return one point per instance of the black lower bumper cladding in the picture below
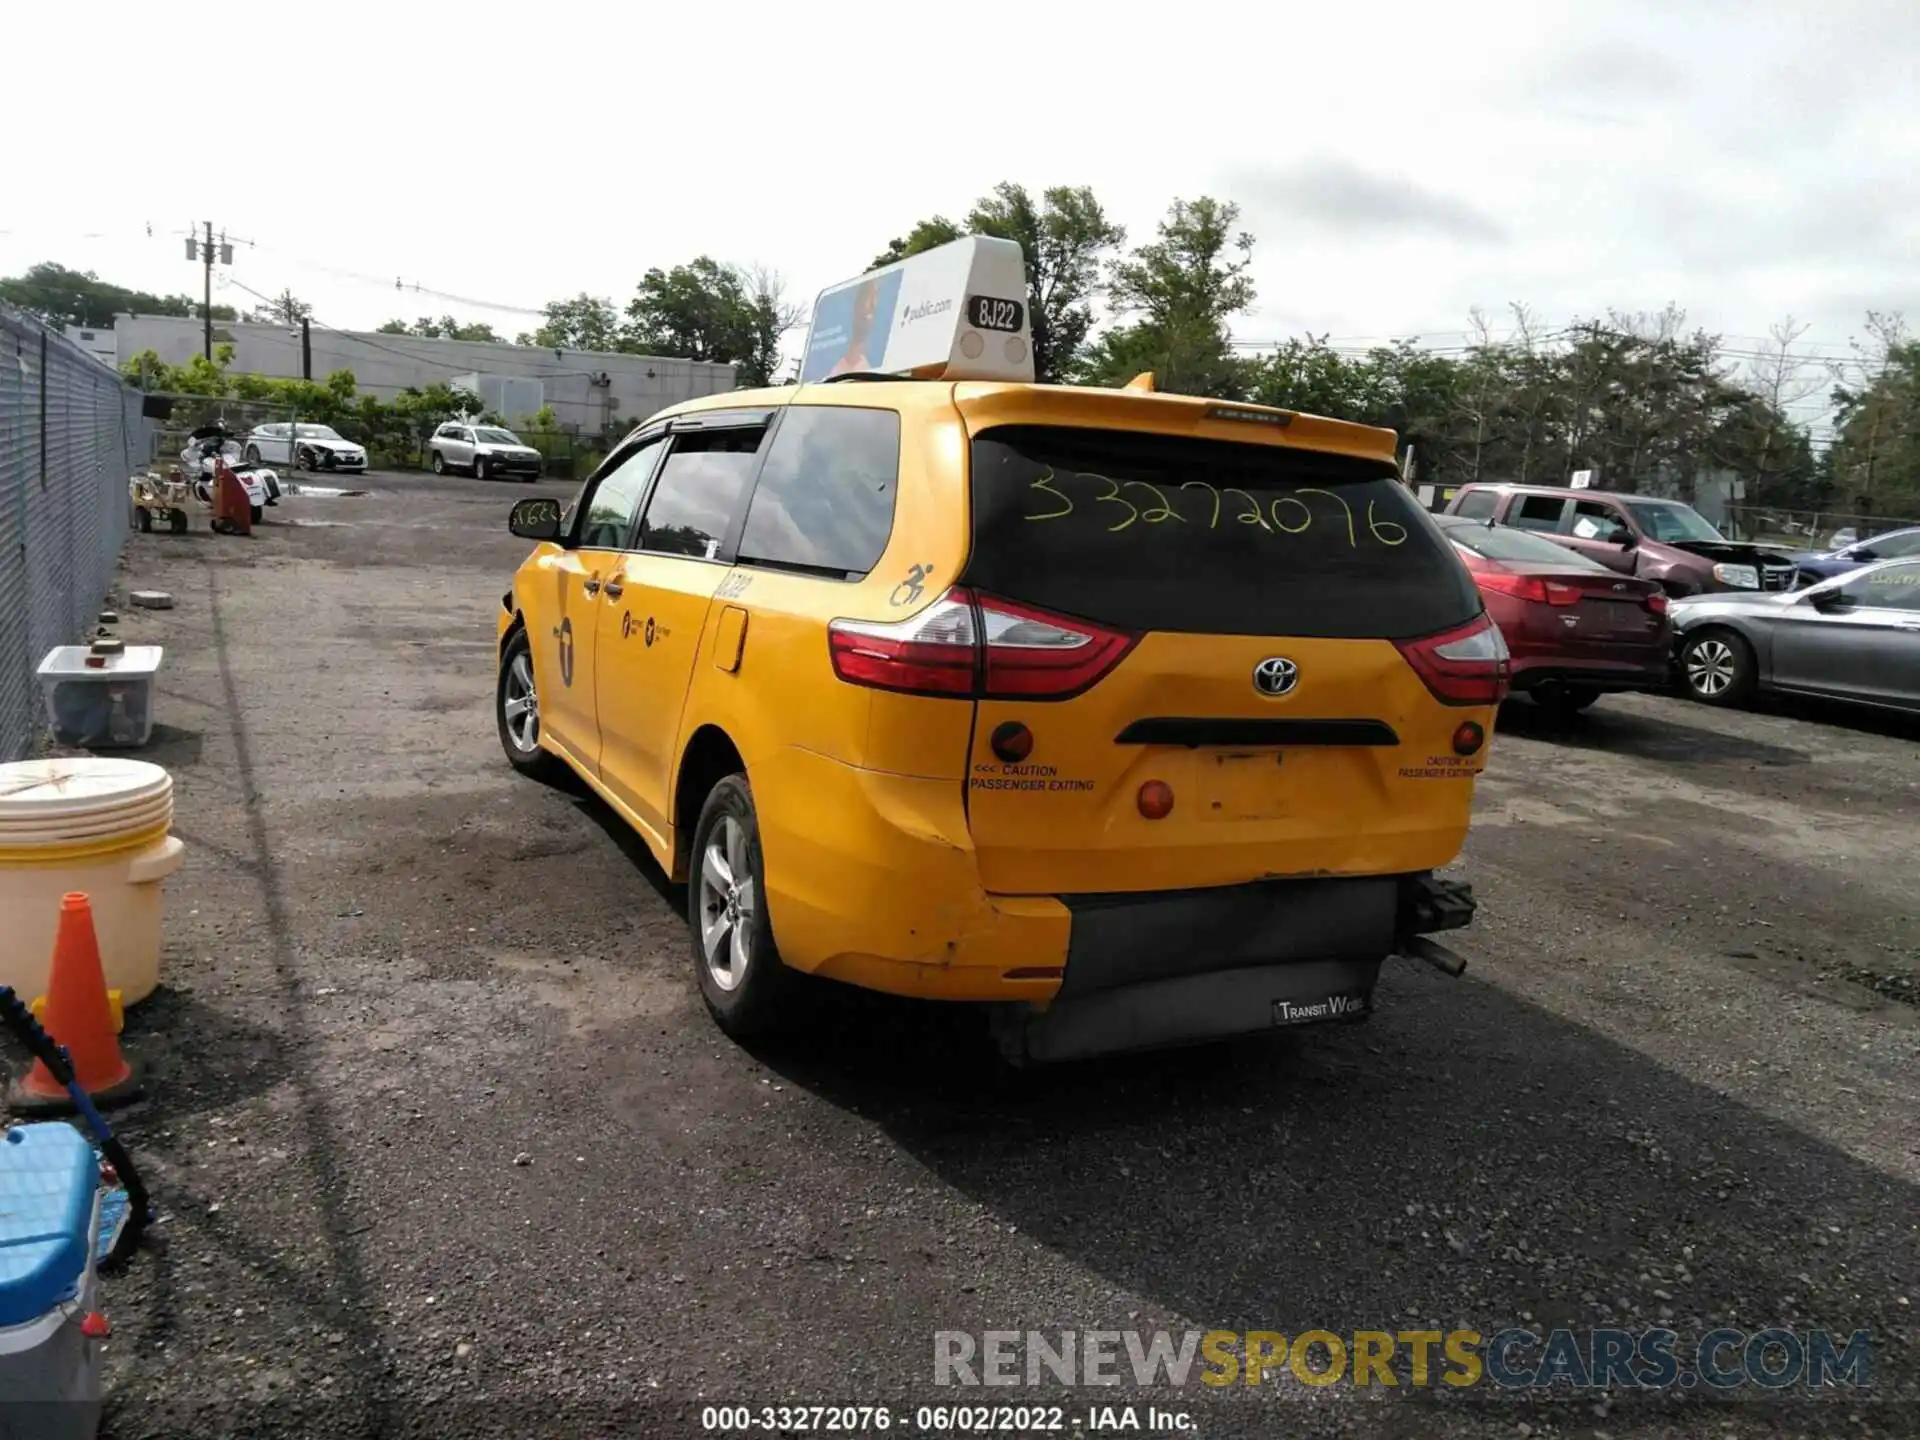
(1180, 967)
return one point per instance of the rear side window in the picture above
(1537, 512)
(699, 491)
(824, 501)
(1155, 532)
(1477, 504)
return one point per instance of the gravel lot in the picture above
(445, 1144)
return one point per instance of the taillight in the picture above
(930, 654)
(978, 646)
(1657, 602)
(1463, 666)
(1529, 587)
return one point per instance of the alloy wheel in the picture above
(727, 901)
(521, 705)
(1711, 668)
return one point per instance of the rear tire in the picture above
(146, 519)
(253, 455)
(1717, 668)
(255, 513)
(747, 987)
(516, 710)
(480, 469)
(439, 463)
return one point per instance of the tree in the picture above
(1876, 453)
(60, 297)
(585, 322)
(928, 234)
(283, 309)
(711, 312)
(445, 328)
(1063, 240)
(1184, 286)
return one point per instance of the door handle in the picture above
(615, 590)
(592, 586)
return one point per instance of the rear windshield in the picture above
(1159, 532)
(1499, 542)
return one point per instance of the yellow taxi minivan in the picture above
(1144, 718)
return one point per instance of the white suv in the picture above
(486, 450)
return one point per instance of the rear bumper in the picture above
(1645, 670)
(871, 880)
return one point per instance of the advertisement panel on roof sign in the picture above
(955, 312)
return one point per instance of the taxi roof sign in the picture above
(956, 312)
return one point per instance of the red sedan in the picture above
(1576, 629)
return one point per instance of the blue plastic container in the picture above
(49, 1217)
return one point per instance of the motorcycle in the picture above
(206, 450)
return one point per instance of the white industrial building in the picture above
(587, 389)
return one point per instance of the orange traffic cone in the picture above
(79, 1017)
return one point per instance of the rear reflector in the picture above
(978, 647)
(1156, 800)
(1463, 666)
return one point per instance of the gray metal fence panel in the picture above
(70, 434)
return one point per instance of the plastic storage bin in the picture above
(49, 1232)
(104, 706)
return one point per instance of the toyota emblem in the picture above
(1276, 675)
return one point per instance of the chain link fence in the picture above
(71, 432)
(1806, 529)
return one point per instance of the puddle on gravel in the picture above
(322, 492)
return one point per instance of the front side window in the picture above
(616, 499)
(1895, 587)
(701, 486)
(1893, 547)
(1595, 520)
(824, 501)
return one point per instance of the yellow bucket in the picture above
(91, 823)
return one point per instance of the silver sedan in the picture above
(1855, 637)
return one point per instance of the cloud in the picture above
(1330, 194)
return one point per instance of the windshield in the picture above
(1668, 520)
(498, 437)
(319, 432)
(1503, 543)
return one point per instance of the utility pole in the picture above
(306, 349)
(206, 308)
(207, 256)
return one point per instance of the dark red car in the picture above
(1576, 629)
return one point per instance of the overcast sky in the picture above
(1397, 164)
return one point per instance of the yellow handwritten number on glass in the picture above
(1112, 497)
(1045, 483)
(1376, 526)
(1213, 524)
(1252, 515)
(1161, 512)
(1351, 540)
(1305, 511)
